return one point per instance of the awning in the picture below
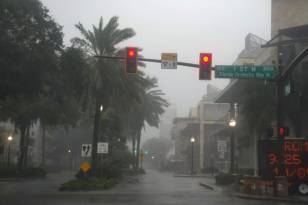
(287, 36)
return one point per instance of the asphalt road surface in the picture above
(153, 188)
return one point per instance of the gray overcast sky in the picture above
(186, 27)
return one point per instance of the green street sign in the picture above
(263, 72)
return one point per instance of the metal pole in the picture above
(8, 155)
(279, 114)
(192, 158)
(232, 152)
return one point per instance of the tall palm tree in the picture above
(147, 110)
(103, 40)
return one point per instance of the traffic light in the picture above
(283, 131)
(205, 69)
(131, 60)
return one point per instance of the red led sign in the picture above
(294, 158)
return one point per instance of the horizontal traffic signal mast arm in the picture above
(153, 61)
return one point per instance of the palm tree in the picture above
(103, 40)
(147, 110)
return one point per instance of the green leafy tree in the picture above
(29, 45)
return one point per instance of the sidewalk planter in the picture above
(258, 186)
(281, 186)
(225, 179)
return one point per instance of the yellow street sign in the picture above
(85, 166)
(169, 56)
(141, 156)
(169, 60)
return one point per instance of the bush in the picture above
(28, 172)
(225, 179)
(8, 172)
(246, 171)
(136, 171)
(32, 172)
(88, 184)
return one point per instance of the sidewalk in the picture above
(297, 199)
(209, 183)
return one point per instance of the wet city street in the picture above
(153, 188)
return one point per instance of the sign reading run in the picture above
(246, 71)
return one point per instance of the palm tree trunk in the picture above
(95, 136)
(133, 151)
(43, 144)
(138, 150)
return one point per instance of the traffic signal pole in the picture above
(151, 60)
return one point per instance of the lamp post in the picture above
(232, 124)
(192, 140)
(10, 138)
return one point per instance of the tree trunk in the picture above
(27, 141)
(133, 151)
(138, 150)
(43, 144)
(21, 147)
(95, 135)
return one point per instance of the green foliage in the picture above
(7, 172)
(225, 179)
(88, 184)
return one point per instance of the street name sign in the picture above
(263, 72)
(86, 150)
(169, 60)
(102, 148)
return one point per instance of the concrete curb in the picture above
(207, 186)
(194, 176)
(271, 198)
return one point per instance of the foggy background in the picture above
(186, 27)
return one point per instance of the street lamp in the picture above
(232, 125)
(10, 138)
(101, 108)
(192, 140)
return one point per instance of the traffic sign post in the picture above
(262, 72)
(169, 60)
(86, 150)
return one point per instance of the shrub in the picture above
(136, 171)
(8, 172)
(32, 172)
(225, 179)
(28, 172)
(88, 184)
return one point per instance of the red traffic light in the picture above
(131, 52)
(205, 59)
(283, 131)
(205, 63)
(131, 60)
